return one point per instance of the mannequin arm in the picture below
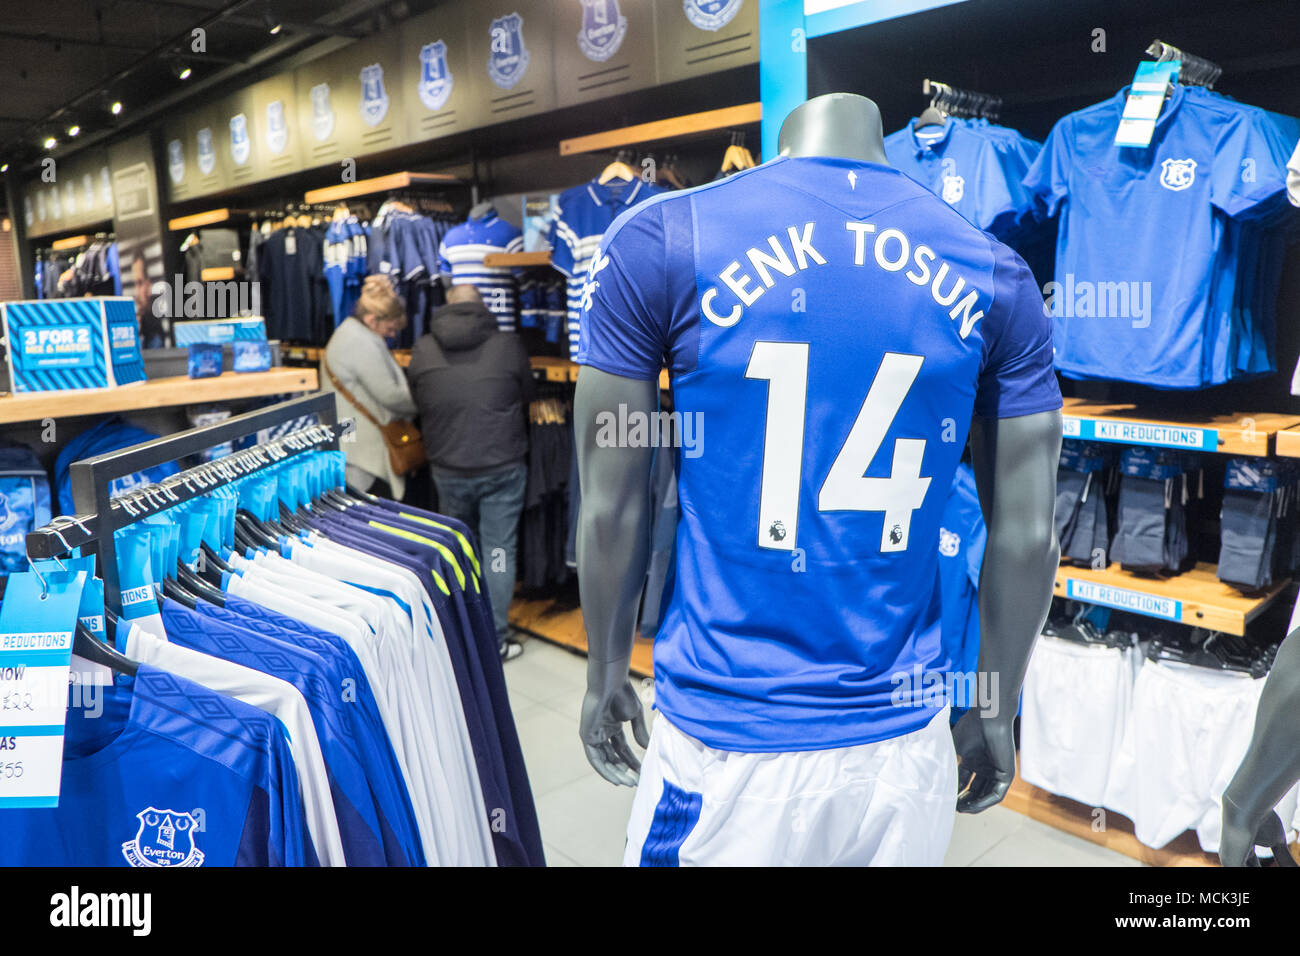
(613, 554)
(1015, 463)
(1271, 764)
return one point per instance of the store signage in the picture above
(508, 55)
(36, 627)
(603, 29)
(435, 79)
(1141, 433)
(1150, 605)
(322, 114)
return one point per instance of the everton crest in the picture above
(56, 204)
(106, 186)
(176, 160)
(954, 187)
(277, 130)
(88, 190)
(40, 205)
(1177, 174)
(70, 198)
(207, 155)
(508, 59)
(240, 145)
(711, 14)
(165, 838)
(27, 210)
(603, 29)
(322, 113)
(435, 79)
(374, 100)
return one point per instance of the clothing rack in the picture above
(1193, 70)
(99, 516)
(955, 101)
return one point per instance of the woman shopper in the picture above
(359, 367)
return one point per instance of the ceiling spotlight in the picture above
(116, 108)
(181, 69)
(273, 25)
(4, 168)
(50, 142)
(74, 129)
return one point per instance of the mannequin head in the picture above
(379, 308)
(836, 124)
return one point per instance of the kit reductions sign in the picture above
(61, 344)
(36, 627)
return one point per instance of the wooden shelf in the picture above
(517, 259)
(1287, 443)
(208, 217)
(1196, 597)
(71, 242)
(310, 353)
(380, 184)
(678, 127)
(155, 393)
(1245, 433)
(563, 625)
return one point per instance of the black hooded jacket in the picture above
(471, 383)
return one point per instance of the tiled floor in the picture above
(583, 818)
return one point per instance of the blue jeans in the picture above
(490, 504)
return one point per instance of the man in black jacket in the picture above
(472, 384)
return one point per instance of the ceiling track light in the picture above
(273, 24)
(116, 108)
(74, 130)
(50, 142)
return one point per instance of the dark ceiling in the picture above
(63, 62)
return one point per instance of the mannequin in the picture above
(1269, 769)
(1016, 460)
(478, 211)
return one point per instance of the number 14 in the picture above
(784, 365)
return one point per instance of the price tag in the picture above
(1145, 98)
(36, 626)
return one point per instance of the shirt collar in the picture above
(602, 193)
(923, 144)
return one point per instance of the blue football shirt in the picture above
(168, 774)
(962, 536)
(830, 326)
(1140, 233)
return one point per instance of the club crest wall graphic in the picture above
(711, 14)
(508, 59)
(277, 129)
(165, 838)
(88, 190)
(374, 98)
(105, 186)
(1177, 174)
(603, 29)
(207, 155)
(240, 144)
(56, 204)
(28, 216)
(436, 80)
(70, 198)
(322, 113)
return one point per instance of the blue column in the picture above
(783, 65)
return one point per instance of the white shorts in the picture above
(1189, 729)
(889, 803)
(1073, 715)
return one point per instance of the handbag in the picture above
(401, 438)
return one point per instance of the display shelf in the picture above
(1196, 597)
(1287, 443)
(1244, 433)
(1105, 828)
(518, 260)
(677, 127)
(156, 393)
(209, 217)
(380, 184)
(562, 624)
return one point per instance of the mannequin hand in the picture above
(1239, 839)
(603, 737)
(987, 751)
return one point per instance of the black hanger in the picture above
(198, 587)
(173, 590)
(89, 648)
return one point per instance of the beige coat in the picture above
(362, 363)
